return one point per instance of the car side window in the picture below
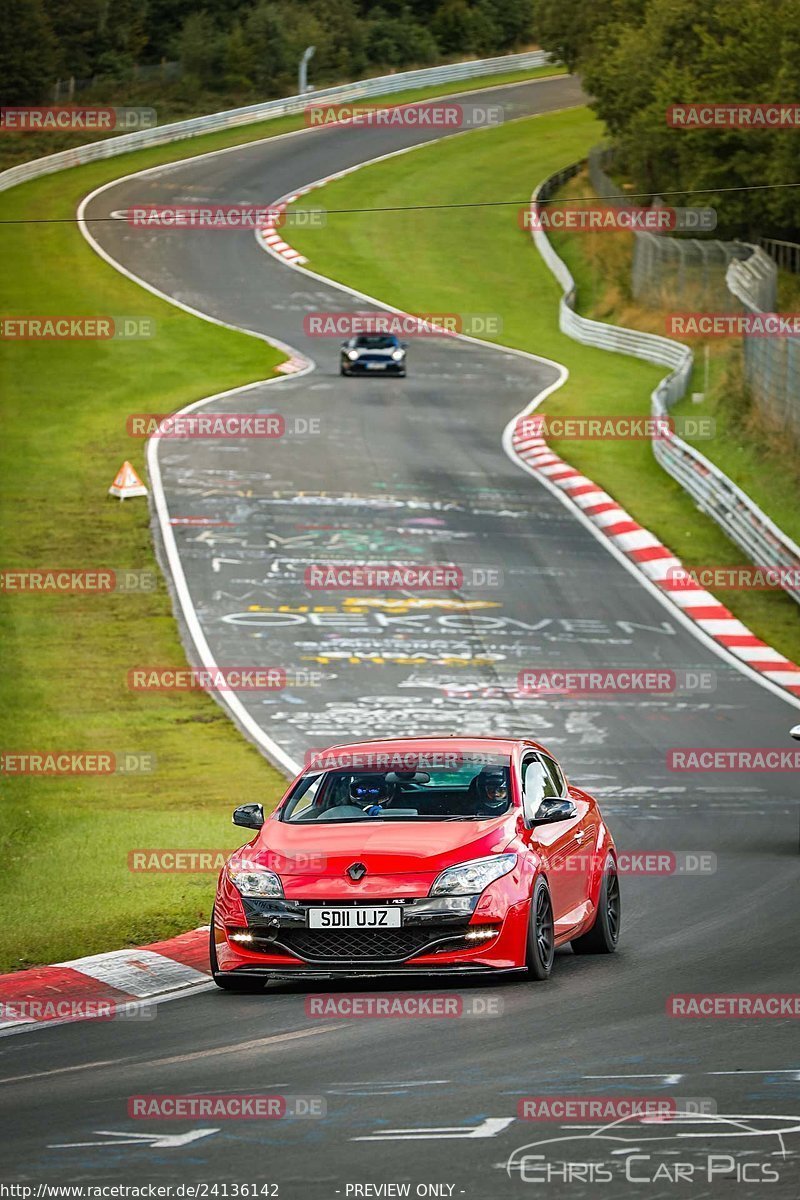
(301, 805)
(557, 780)
(535, 782)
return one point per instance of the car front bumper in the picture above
(280, 944)
(371, 367)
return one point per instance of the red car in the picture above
(417, 856)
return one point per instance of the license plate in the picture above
(354, 918)
(376, 366)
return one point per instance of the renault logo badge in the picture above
(357, 871)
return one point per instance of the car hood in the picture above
(399, 855)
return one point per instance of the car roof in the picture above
(440, 742)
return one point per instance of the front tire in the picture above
(541, 933)
(229, 982)
(603, 937)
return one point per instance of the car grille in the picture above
(351, 944)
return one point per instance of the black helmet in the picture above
(366, 790)
(493, 789)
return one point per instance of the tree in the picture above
(201, 50)
(27, 53)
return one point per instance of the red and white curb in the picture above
(292, 365)
(656, 561)
(269, 232)
(640, 547)
(102, 985)
(268, 235)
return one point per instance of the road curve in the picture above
(413, 469)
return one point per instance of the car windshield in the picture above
(375, 342)
(464, 791)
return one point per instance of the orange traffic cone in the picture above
(127, 483)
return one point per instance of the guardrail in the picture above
(785, 254)
(711, 489)
(364, 89)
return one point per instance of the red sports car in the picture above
(417, 856)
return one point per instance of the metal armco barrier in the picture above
(711, 489)
(364, 89)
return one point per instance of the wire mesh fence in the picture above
(673, 271)
(710, 275)
(771, 361)
(714, 492)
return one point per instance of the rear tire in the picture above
(541, 933)
(228, 981)
(603, 937)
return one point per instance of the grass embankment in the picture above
(479, 260)
(65, 841)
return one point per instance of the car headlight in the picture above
(256, 883)
(352, 355)
(471, 877)
(398, 354)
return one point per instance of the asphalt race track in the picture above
(413, 469)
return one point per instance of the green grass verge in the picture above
(478, 260)
(66, 657)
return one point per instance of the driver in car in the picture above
(492, 792)
(371, 793)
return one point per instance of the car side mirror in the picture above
(553, 809)
(795, 733)
(250, 816)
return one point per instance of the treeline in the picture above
(637, 57)
(238, 46)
